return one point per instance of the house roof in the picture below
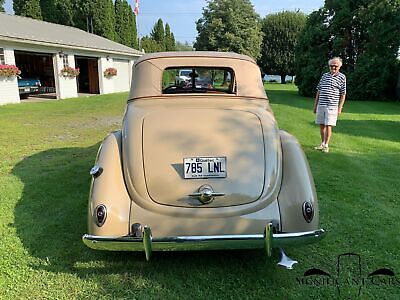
(27, 30)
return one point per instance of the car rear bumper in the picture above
(147, 243)
(28, 89)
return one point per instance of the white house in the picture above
(41, 50)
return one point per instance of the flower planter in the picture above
(110, 72)
(7, 71)
(69, 72)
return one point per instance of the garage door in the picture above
(37, 74)
(121, 81)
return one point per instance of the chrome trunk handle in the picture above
(206, 194)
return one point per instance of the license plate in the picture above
(204, 167)
(27, 89)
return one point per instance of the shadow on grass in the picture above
(51, 217)
(290, 98)
(377, 129)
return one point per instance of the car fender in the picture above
(297, 187)
(108, 189)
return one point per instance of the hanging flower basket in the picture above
(70, 72)
(110, 72)
(9, 71)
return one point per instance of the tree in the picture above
(100, 13)
(1, 5)
(170, 44)
(27, 8)
(312, 52)
(376, 66)
(183, 46)
(125, 24)
(133, 38)
(229, 25)
(280, 33)
(58, 11)
(149, 45)
(121, 22)
(104, 18)
(158, 34)
(365, 35)
(160, 39)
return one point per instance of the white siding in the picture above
(106, 84)
(66, 87)
(122, 80)
(9, 86)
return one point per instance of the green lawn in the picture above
(47, 149)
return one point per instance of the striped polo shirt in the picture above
(330, 88)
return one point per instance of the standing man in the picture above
(331, 94)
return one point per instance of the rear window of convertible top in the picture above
(178, 80)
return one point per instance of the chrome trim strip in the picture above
(267, 241)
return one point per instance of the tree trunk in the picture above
(283, 78)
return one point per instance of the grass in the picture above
(47, 148)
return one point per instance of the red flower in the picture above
(70, 72)
(9, 71)
(110, 72)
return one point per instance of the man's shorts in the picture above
(326, 115)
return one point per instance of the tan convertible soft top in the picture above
(148, 70)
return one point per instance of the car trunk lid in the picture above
(232, 139)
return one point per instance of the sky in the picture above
(181, 15)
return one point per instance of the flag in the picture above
(136, 9)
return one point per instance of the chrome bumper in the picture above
(147, 243)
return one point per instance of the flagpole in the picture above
(136, 11)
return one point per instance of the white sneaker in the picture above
(319, 147)
(325, 149)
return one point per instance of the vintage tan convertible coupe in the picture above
(200, 164)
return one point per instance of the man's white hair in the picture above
(337, 59)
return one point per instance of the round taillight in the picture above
(100, 214)
(96, 171)
(308, 211)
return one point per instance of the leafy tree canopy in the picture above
(160, 39)
(150, 45)
(365, 34)
(170, 43)
(280, 34)
(183, 46)
(158, 32)
(229, 25)
(58, 11)
(121, 22)
(133, 41)
(312, 53)
(125, 24)
(103, 14)
(28, 8)
(2, 5)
